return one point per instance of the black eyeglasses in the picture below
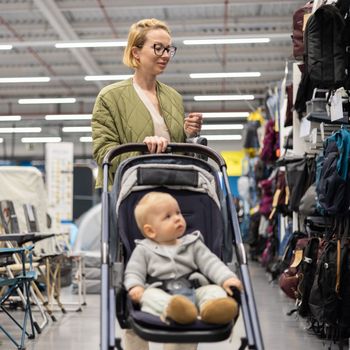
(159, 50)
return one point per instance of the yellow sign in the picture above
(233, 161)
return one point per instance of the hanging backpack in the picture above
(300, 175)
(346, 40)
(344, 310)
(324, 47)
(290, 277)
(300, 17)
(329, 300)
(265, 205)
(304, 94)
(333, 185)
(268, 151)
(307, 273)
(325, 292)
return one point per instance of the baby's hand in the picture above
(232, 282)
(135, 293)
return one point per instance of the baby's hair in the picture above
(145, 205)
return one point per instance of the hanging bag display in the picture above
(324, 47)
(300, 18)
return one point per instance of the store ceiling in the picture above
(34, 27)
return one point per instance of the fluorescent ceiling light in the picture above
(77, 129)
(108, 77)
(25, 80)
(10, 118)
(223, 127)
(25, 101)
(79, 44)
(68, 117)
(223, 97)
(226, 41)
(6, 47)
(19, 130)
(223, 137)
(85, 139)
(225, 115)
(40, 139)
(225, 75)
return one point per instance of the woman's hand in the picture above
(135, 294)
(156, 144)
(193, 124)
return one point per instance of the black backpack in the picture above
(307, 273)
(346, 40)
(304, 93)
(344, 312)
(300, 175)
(324, 47)
(324, 297)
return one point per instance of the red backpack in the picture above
(299, 17)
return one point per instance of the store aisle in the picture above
(81, 330)
(279, 330)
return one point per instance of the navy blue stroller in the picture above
(203, 192)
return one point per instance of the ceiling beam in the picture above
(56, 19)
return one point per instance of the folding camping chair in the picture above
(53, 261)
(23, 192)
(16, 284)
(13, 239)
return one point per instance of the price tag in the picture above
(314, 136)
(322, 131)
(305, 127)
(336, 106)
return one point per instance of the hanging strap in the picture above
(337, 281)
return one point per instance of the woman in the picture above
(142, 109)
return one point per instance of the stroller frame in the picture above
(253, 339)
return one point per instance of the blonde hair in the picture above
(137, 37)
(146, 204)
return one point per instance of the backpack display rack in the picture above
(318, 108)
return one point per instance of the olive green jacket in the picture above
(119, 116)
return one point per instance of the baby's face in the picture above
(167, 221)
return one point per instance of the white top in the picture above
(160, 129)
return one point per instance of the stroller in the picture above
(203, 193)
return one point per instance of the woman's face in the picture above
(149, 62)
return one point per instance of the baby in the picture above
(164, 256)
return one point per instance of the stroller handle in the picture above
(172, 147)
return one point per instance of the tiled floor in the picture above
(80, 330)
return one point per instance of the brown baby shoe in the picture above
(181, 310)
(219, 311)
